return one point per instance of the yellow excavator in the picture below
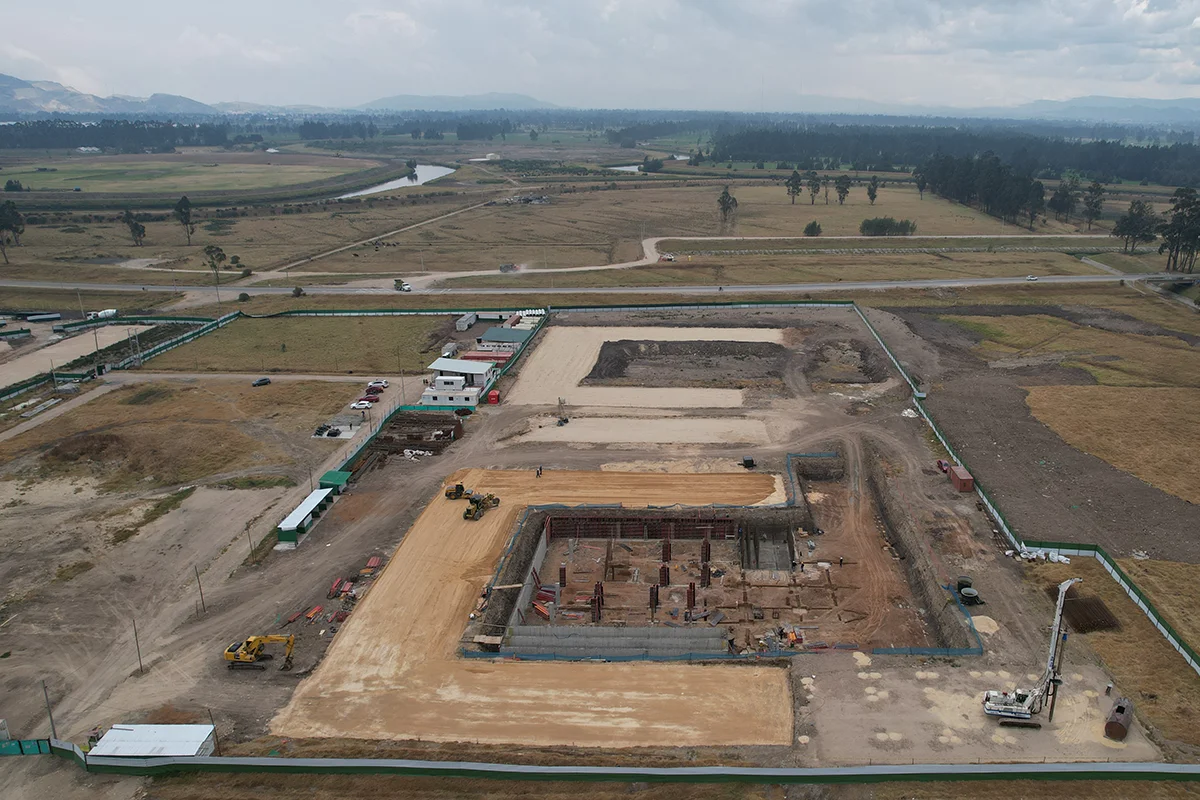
(248, 654)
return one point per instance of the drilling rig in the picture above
(1024, 703)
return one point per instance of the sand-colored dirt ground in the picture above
(671, 430)
(875, 710)
(393, 672)
(566, 355)
(59, 353)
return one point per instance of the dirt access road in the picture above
(393, 673)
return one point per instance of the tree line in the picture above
(879, 149)
(125, 136)
(1179, 229)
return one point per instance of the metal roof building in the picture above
(507, 335)
(155, 740)
(460, 366)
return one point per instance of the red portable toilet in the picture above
(494, 396)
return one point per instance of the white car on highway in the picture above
(1031, 277)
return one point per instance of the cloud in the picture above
(733, 54)
(373, 22)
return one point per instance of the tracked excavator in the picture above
(249, 654)
(1024, 703)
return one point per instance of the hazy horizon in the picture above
(733, 55)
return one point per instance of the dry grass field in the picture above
(1146, 260)
(66, 300)
(170, 433)
(1148, 432)
(1164, 689)
(607, 226)
(360, 345)
(93, 250)
(736, 270)
(1175, 589)
(1113, 359)
(337, 787)
(1012, 790)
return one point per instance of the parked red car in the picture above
(374, 390)
(370, 398)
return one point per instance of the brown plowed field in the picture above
(393, 671)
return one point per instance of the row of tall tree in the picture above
(816, 184)
(126, 136)
(880, 149)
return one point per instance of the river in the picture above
(424, 174)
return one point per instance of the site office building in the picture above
(457, 382)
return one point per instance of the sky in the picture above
(742, 55)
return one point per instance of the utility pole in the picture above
(95, 336)
(49, 713)
(138, 645)
(201, 588)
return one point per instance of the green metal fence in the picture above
(1135, 593)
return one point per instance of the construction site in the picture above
(638, 539)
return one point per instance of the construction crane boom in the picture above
(1024, 703)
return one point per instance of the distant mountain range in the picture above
(468, 102)
(31, 97)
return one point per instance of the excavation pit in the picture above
(700, 584)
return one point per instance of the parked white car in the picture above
(382, 384)
(360, 405)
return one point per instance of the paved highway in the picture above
(773, 288)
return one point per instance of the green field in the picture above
(317, 345)
(167, 173)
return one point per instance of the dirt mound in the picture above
(845, 361)
(688, 363)
(88, 447)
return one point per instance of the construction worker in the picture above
(539, 471)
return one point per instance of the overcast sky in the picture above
(712, 54)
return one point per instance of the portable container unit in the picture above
(466, 321)
(148, 741)
(500, 357)
(494, 397)
(962, 479)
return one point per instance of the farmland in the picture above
(198, 170)
(356, 345)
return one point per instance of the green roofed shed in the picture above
(336, 480)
